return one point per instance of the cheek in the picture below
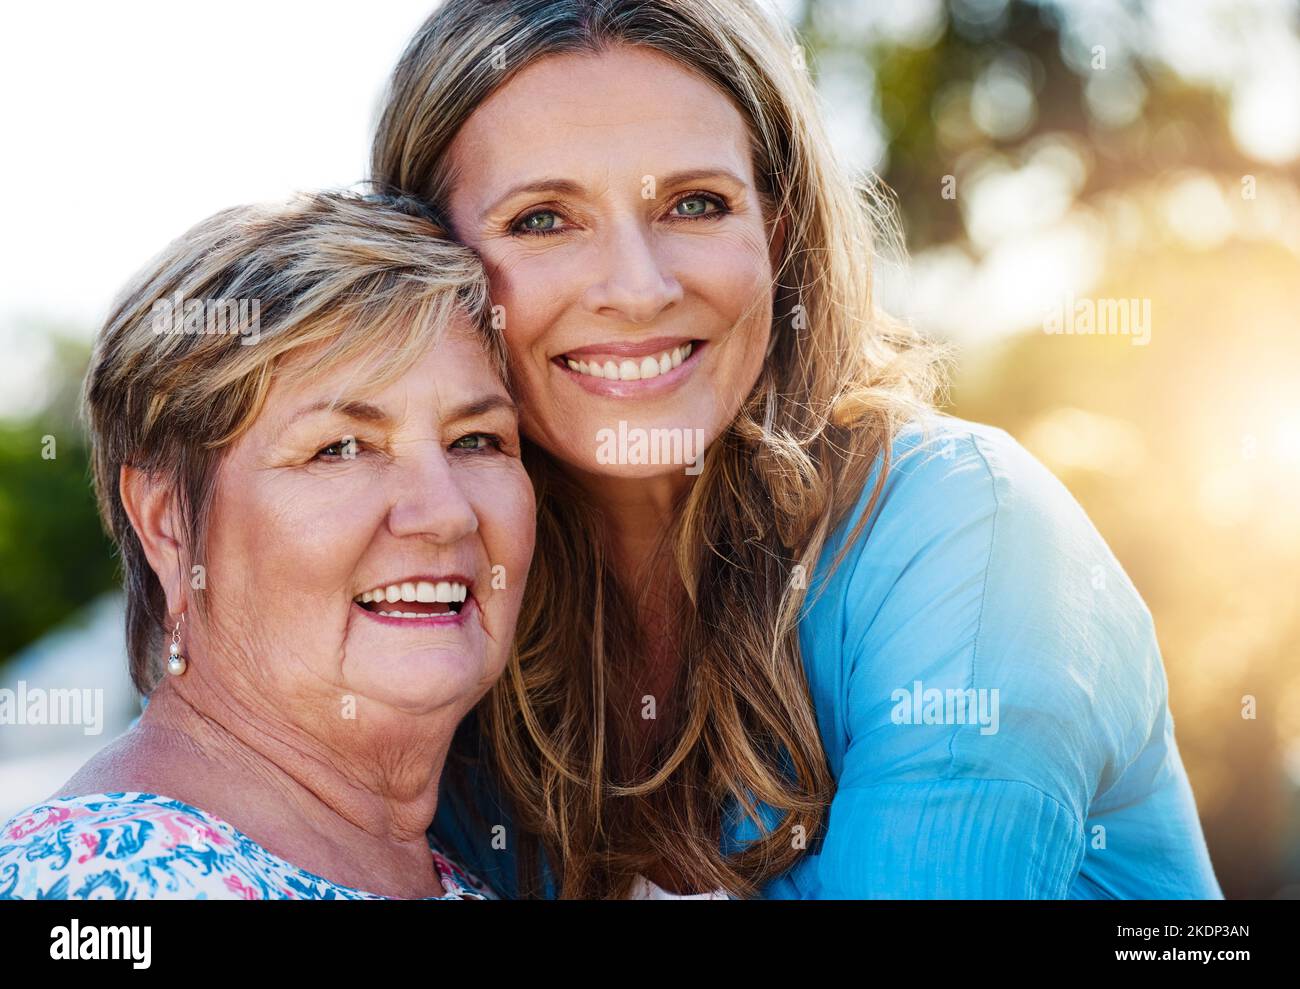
(733, 279)
(507, 517)
(532, 295)
(288, 545)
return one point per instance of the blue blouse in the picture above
(991, 700)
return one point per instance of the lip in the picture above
(628, 348)
(432, 621)
(641, 388)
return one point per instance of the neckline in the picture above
(451, 888)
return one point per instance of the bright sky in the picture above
(125, 124)
(146, 117)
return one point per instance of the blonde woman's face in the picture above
(409, 488)
(613, 200)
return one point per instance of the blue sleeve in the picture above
(473, 820)
(997, 680)
(476, 833)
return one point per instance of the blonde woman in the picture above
(833, 644)
(307, 455)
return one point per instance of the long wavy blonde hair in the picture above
(840, 378)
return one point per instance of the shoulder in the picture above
(123, 846)
(979, 571)
(964, 506)
(946, 474)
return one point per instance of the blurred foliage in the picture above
(54, 556)
(993, 77)
(1185, 452)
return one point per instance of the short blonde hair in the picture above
(185, 359)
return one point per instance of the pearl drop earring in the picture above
(176, 662)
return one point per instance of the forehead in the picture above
(455, 365)
(619, 114)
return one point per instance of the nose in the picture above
(429, 498)
(636, 287)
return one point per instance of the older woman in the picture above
(325, 528)
(855, 648)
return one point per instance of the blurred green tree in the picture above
(54, 555)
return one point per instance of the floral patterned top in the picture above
(142, 846)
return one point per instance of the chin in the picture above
(420, 681)
(642, 472)
(634, 444)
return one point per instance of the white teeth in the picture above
(423, 590)
(632, 370)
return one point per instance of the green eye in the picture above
(542, 221)
(476, 442)
(695, 206)
(700, 205)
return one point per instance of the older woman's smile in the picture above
(443, 600)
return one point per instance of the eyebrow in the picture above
(366, 412)
(570, 188)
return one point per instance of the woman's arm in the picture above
(999, 684)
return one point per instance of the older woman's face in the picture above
(613, 200)
(428, 496)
